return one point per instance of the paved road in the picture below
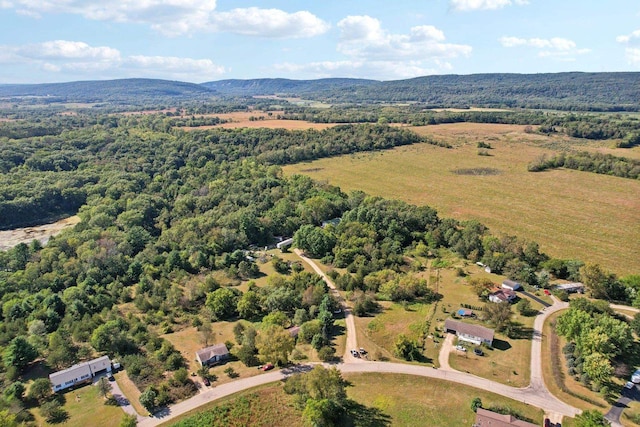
(621, 404)
(536, 299)
(535, 394)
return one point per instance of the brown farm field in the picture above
(571, 214)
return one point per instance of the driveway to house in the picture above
(445, 350)
(117, 393)
(627, 396)
(535, 394)
(352, 338)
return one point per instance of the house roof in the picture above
(469, 329)
(512, 284)
(486, 418)
(294, 331)
(211, 351)
(504, 294)
(465, 312)
(76, 371)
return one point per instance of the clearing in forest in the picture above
(571, 214)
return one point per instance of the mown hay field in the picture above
(572, 214)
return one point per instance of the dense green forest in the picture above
(560, 91)
(170, 223)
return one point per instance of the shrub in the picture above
(326, 354)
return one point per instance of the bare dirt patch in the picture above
(477, 171)
(269, 124)
(42, 233)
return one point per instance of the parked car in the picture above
(636, 377)
(461, 348)
(629, 385)
(206, 381)
(478, 351)
(267, 367)
(355, 353)
(546, 292)
(363, 351)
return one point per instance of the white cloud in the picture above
(469, 5)
(633, 56)
(373, 52)
(555, 47)
(633, 38)
(377, 70)
(82, 60)
(269, 23)
(363, 37)
(177, 17)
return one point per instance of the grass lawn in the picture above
(571, 214)
(548, 359)
(86, 407)
(266, 405)
(630, 414)
(508, 362)
(131, 392)
(378, 334)
(411, 401)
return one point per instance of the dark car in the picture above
(478, 352)
(206, 381)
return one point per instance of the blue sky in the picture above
(203, 40)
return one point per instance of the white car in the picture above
(461, 348)
(629, 385)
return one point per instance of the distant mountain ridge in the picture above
(618, 91)
(120, 90)
(254, 87)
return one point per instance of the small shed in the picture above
(294, 331)
(285, 243)
(212, 355)
(571, 287)
(512, 285)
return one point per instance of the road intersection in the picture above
(535, 394)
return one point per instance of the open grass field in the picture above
(571, 214)
(400, 400)
(411, 401)
(264, 406)
(85, 407)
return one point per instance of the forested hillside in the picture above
(563, 91)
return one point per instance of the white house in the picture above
(502, 295)
(212, 355)
(511, 285)
(82, 372)
(474, 334)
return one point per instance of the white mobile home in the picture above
(77, 374)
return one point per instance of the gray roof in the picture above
(485, 418)
(214, 350)
(469, 329)
(79, 370)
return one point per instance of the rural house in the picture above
(474, 334)
(284, 243)
(571, 287)
(212, 355)
(80, 373)
(511, 285)
(485, 418)
(502, 295)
